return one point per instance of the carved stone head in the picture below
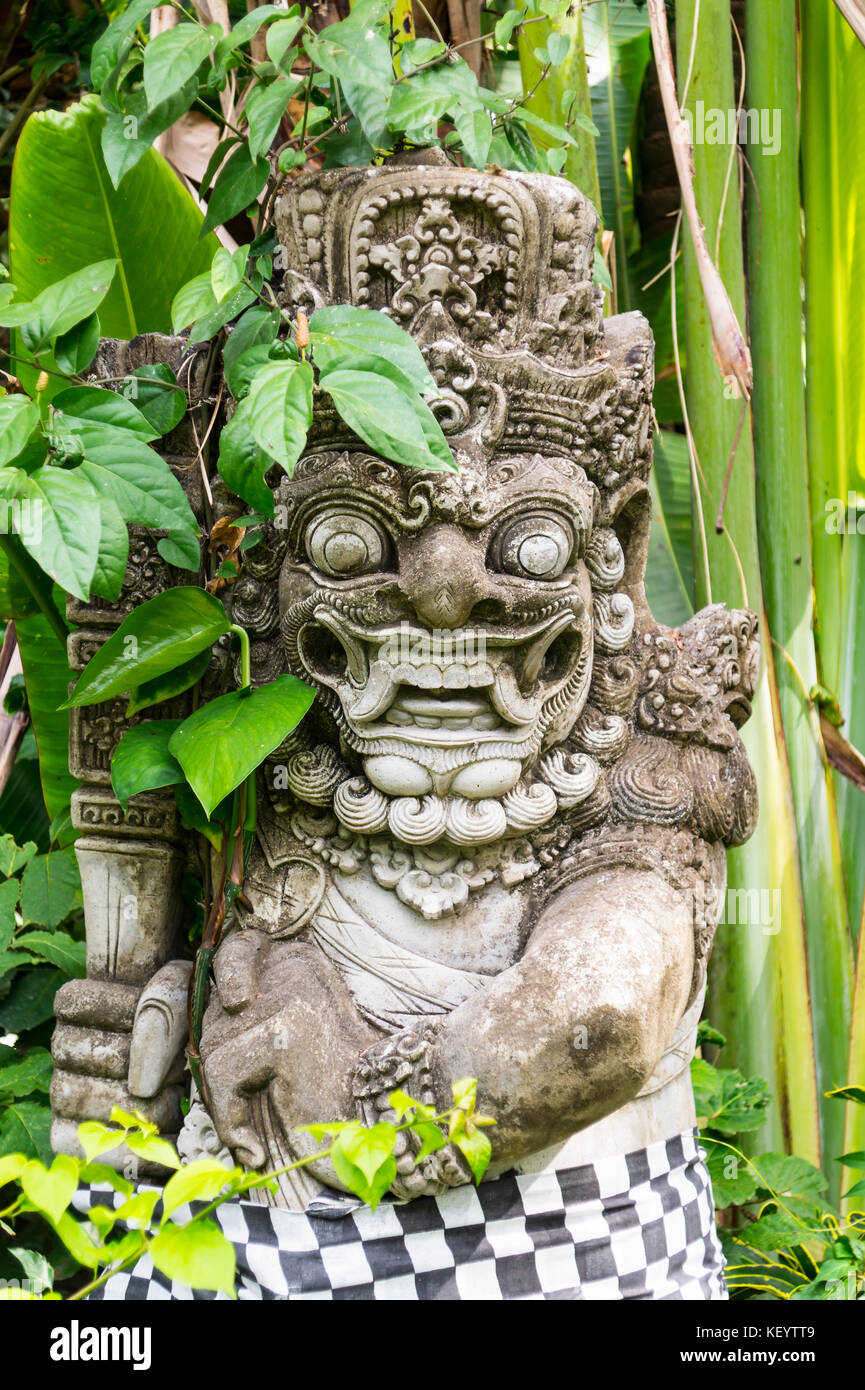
(477, 638)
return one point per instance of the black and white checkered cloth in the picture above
(639, 1226)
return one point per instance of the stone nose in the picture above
(443, 575)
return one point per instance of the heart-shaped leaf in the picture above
(223, 741)
(159, 635)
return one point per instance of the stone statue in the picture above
(495, 846)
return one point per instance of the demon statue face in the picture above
(501, 827)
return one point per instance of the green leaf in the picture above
(192, 300)
(137, 1211)
(31, 999)
(727, 1101)
(246, 28)
(153, 389)
(505, 26)
(13, 857)
(368, 1148)
(733, 1181)
(223, 741)
(280, 410)
(96, 1138)
(25, 1128)
(670, 570)
(239, 184)
(198, 1255)
(342, 333)
(79, 1243)
(363, 1160)
(65, 214)
(51, 1189)
(280, 36)
(383, 416)
(359, 58)
(35, 1266)
(192, 816)
(168, 685)
(243, 464)
(198, 1181)
(11, 1167)
(475, 130)
(431, 1138)
(111, 46)
(153, 1149)
(100, 407)
(102, 1173)
(113, 554)
(173, 57)
(31, 1073)
(141, 484)
(476, 1149)
(249, 363)
(210, 323)
(76, 349)
(8, 902)
(418, 103)
(158, 636)
(258, 326)
(60, 305)
(854, 1093)
(265, 109)
(43, 657)
(57, 948)
(18, 419)
(142, 761)
(50, 888)
(227, 271)
(64, 538)
(128, 134)
(789, 1175)
(778, 1230)
(558, 133)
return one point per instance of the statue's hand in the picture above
(280, 1035)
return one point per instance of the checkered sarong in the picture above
(639, 1226)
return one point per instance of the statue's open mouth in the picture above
(443, 687)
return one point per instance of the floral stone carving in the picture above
(495, 846)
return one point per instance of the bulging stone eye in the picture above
(536, 547)
(341, 545)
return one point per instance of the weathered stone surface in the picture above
(495, 847)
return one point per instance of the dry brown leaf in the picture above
(841, 753)
(728, 340)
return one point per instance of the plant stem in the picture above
(245, 658)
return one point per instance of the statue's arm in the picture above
(574, 1029)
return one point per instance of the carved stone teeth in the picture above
(398, 716)
(456, 677)
(485, 721)
(426, 721)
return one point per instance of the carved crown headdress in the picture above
(491, 273)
